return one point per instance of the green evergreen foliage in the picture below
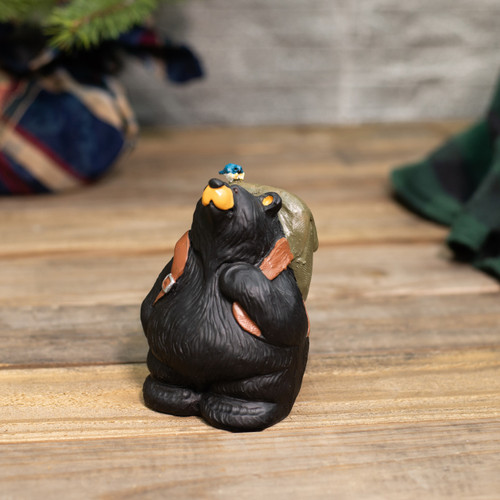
(79, 23)
(25, 10)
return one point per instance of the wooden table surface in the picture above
(401, 397)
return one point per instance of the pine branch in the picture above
(79, 23)
(25, 10)
(84, 23)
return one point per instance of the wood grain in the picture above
(401, 397)
(95, 334)
(397, 421)
(457, 460)
(340, 271)
(121, 230)
(51, 404)
(53, 311)
(149, 200)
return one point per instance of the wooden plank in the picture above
(394, 461)
(339, 271)
(156, 228)
(312, 142)
(393, 270)
(60, 280)
(74, 310)
(52, 404)
(86, 229)
(404, 324)
(173, 164)
(71, 335)
(383, 426)
(149, 199)
(76, 335)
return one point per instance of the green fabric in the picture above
(458, 185)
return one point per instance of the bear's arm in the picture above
(147, 304)
(276, 306)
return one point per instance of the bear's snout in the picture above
(219, 194)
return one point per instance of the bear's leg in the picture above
(166, 391)
(238, 415)
(255, 403)
(249, 405)
(170, 399)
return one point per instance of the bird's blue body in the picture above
(233, 172)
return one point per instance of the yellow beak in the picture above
(222, 197)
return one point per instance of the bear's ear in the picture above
(271, 202)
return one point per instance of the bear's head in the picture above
(232, 225)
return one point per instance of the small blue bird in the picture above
(233, 172)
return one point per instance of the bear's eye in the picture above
(267, 200)
(236, 190)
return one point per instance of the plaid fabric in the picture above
(57, 134)
(458, 184)
(64, 119)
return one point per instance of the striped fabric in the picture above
(58, 134)
(64, 120)
(458, 184)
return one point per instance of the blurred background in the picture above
(324, 62)
(280, 62)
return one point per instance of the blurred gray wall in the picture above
(325, 61)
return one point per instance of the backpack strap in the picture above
(181, 252)
(271, 266)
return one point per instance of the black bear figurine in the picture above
(225, 320)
